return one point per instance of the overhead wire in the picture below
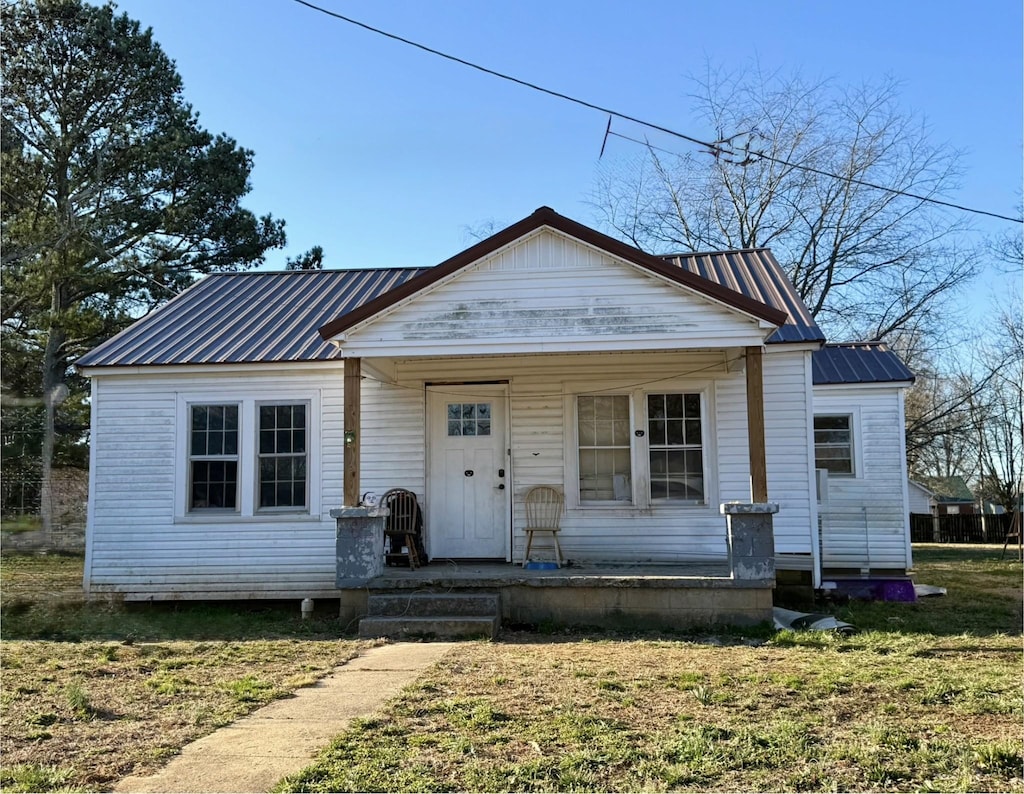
(714, 147)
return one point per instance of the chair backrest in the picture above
(544, 507)
(404, 511)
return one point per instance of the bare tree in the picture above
(790, 174)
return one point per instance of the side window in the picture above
(213, 457)
(833, 444)
(282, 456)
(675, 443)
(603, 437)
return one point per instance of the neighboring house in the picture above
(921, 499)
(546, 354)
(950, 496)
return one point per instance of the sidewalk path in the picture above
(254, 753)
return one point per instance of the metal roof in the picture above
(858, 362)
(756, 273)
(235, 318)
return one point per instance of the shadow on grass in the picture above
(65, 621)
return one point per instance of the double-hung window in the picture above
(620, 446)
(675, 447)
(604, 449)
(833, 444)
(282, 451)
(213, 457)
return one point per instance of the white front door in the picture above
(467, 479)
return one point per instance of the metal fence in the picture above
(959, 528)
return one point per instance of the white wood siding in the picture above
(537, 395)
(865, 523)
(548, 292)
(787, 426)
(142, 545)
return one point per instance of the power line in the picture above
(714, 147)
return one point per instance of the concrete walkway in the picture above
(254, 753)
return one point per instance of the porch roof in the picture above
(858, 362)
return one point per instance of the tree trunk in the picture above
(53, 395)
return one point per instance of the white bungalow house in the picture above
(547, 354)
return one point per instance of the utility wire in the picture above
(715, 147)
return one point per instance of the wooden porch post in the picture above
(353, 390)
(755, 425)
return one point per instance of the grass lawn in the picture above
(927, 697)
(92, 692)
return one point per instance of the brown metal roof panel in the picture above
(230, 318)
(860, 362)
(757, 275)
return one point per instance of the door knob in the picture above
(500, 486)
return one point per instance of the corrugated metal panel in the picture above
(234, 318)
(860, 362)
(757, 274)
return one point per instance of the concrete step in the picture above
(439, 627)
(432, 604)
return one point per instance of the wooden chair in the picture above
(402, 527)
(544, 508)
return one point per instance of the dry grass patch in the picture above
(100, 711)
(94, 692)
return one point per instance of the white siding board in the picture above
(865, 521)
(137, 545)
(787, 423)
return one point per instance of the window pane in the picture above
(674, 406)
(266, 442)
(693, 434)
(691, 404)
(216, 416)
(231, 417)
(266, 417)
(585, 408)
(483, 427)
(214, 484)
(284, 441)
(468, 428)
(215, 443)
(299, 439)
(199, 417)
(674, 432)
(198, 446)
(656, 432)
(454, 411)
(468, 411)
(455, 427)
(483, 411)
(230, 442)
(655, 406)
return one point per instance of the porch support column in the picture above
(751, 540)
(353, 391)
(755, 426)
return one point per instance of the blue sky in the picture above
(384, 155)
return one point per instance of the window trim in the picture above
(247, 503)
(639, 447)
(856, 465)
(256, 482)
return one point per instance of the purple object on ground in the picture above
(876, 589)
